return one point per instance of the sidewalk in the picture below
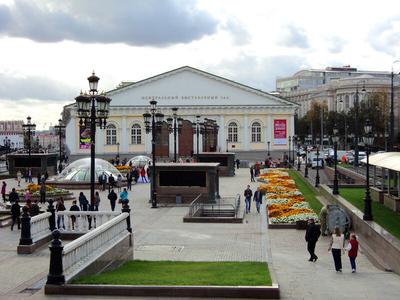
(160, 234)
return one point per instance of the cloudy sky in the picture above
(49, 48)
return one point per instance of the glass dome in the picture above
(139, 161)
(79, 170)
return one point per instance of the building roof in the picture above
(387, 160)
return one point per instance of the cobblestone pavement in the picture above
(161, 234)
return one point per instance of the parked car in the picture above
(317, 162)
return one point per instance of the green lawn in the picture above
(307, 192)
(382, 215)
(184, 273)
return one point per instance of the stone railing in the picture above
(40, 226)
(83, 251)
(84, 220)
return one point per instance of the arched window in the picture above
(256, 132)
(346, 102)
(136, 134)
(111, 135)
(232, 132)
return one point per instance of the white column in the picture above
(221, 133)
(71, 136)
(269, 131)
(100, 140)
(124, 136)
(171, 143)
(245, 133)
(147, 143)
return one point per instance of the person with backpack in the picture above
(313, 233)
(248, 193)
(15, 214)
(112, 196)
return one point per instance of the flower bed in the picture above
(34, 190)
(284, 201)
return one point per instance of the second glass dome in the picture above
(79, 170)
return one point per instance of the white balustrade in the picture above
(83, 251)
(40, 226)
(82, 219)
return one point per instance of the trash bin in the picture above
(178, 199)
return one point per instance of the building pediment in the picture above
(188, 86)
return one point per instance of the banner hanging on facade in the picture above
(280, 132)
(84, 138)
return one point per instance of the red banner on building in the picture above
(280, 132)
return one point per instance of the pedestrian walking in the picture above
(237, 161)
(96, 201)
(129, 179)
(27, 196)
(83, 202)
(112, 196)
(19, 176)
(59, 208)
(111, 182)
(248, 193)
(43, 192)
(13, 196)
(258, 199)
(119, 182)
(336, 246)
(103, 181)
(143, 175)
(15, 215)
(352, 250)
(73, 207)
(3, 191)
(313, 233)
(30, 175)
(252, 174)
(123, 197)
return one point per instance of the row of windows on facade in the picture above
(136, 133)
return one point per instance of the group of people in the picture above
(257, 198)
(337, 245)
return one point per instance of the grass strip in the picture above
(384, 216)
(138, 272)
(308, 193)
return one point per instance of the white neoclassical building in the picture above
(249, 119)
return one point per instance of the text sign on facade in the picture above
(84, 138)
(280, 132)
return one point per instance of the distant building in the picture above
(12, 131)
(313, 78)
(336, 88)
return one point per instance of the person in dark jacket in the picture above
(112, 196)
(252, 174)
(313, 232)
(74, 207)
(83, 202)
(258, 199)
(248, 193)
(13, 196)
(15, 214)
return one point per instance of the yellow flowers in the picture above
(35, 187)
(285, 202)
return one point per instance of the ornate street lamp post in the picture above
(29, 131)
(7, 145)
(197, 129)
(298, 154)
(60, 127)
(227, 143)
(392, 139)
(317, 176)
(175, 126)
(294, 138)
(306, 167)
(357, 123)
(93, 110)
(368, 141)
(290, 142)
(268, 144)
(335, 139)
(153, 121)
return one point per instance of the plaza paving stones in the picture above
(161, 234)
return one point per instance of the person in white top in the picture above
(336, 246)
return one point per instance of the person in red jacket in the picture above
(352, 248)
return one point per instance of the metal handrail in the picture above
(194, 206)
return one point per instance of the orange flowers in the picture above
(284, 200)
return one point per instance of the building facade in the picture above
(247, 119)
(11, 133)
